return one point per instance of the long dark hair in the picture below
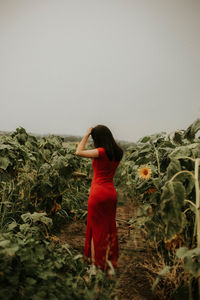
(102, 137)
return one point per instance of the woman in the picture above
(101, 243)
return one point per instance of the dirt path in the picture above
(132, 283)
(132, 280)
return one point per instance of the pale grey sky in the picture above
(133, 65)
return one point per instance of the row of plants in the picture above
(39, 175)
(161, 172)
(34, 266)
(42, 186)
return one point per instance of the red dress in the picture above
(101, 224)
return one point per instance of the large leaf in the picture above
(172, 203)
(5, 147)
(192, 130)
(177, 138)
(195, 148)
(35, 217)
(192, 150)
(4, 163)
(180, 152)
(152, 137)
(186, 179)
(145, 139)
(173, 167)
(191, 259)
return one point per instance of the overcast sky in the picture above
(133, 65)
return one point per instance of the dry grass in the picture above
(140, 265)
(153, 263)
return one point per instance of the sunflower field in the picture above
(162, 174)
(44, 186)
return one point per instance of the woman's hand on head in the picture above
(89, 131)
(93, 153)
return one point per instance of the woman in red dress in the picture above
(101, 242)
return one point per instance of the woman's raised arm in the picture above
(86, 153)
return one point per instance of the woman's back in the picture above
(103, 168)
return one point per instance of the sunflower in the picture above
(144, 172)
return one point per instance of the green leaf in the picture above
(192, 130)
(172, 204)
(66, 247)
(35, 217)
(4, 163)
(142, 161)
(31, 281)
(191, 260)
(12, 225)
(195, 148)
(144, 139)
(7, 248)
(47, 274)
(77, 256)
(40, 295)
(173, 167)
(177, 138)
(181, 252)
(180, 152)
(5, 147)
(4, 243)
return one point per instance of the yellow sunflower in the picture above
(144, 172)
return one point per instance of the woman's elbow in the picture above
(77, 153)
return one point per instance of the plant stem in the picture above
(186, 157)
(157, 158)
(190, 202)
(195, 230)
(183, 171)
(198, 209)
(197, 200)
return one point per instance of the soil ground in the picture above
(132, 279)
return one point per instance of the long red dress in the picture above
(101, 224)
